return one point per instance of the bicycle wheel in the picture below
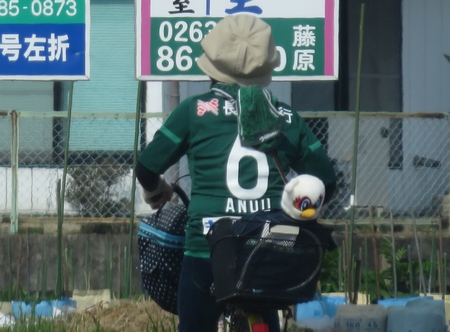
(247, 322)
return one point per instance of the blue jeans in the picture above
(197, 307)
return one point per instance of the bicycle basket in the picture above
(268, 260)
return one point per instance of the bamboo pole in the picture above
(355, 151)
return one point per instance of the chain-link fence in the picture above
(401, 169)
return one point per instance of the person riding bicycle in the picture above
(227, 134)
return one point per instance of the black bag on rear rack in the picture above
(160, 245)
(267, 259)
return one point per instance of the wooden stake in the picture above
(357, 278)
(439, 263)
(18, 268)
(422, 277)
(394, 257)
(375, 254)
(411, 276)
(442, 264)
(366, 263)
(348, 259)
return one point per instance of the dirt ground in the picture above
(130, 316)
(123, 315)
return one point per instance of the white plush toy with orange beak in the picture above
(303, 197)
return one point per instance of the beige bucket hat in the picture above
(239, 49)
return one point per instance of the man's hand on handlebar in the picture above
(161, 195)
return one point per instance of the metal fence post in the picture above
(14, 216)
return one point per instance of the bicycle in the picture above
(238, 319)
(248, 256)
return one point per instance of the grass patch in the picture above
(31, 230)
(122, 315)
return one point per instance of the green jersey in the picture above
(227, 178)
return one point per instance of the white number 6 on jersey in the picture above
(236, 154)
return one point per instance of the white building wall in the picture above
(426, 72)
(426, 87)
(37, 192)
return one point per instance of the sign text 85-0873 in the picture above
(38, 8)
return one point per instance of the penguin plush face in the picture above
(303, 197)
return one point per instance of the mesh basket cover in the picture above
(256, 261)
